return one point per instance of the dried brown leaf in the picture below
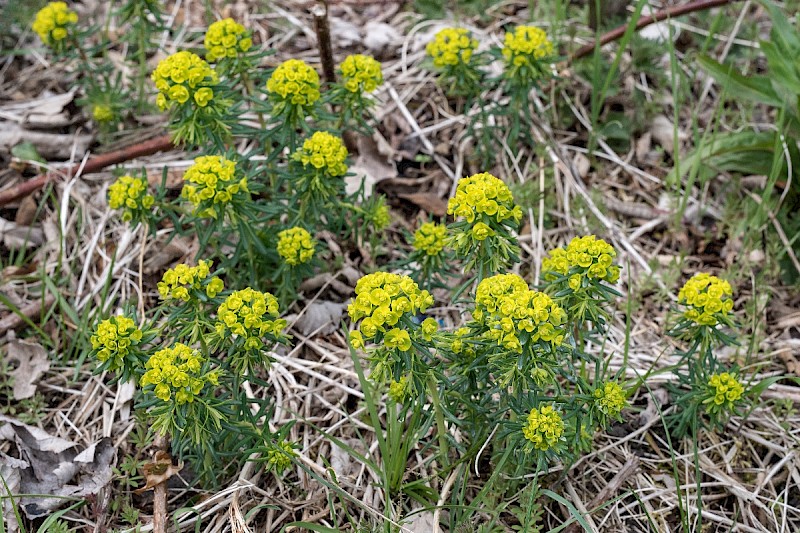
(31, 363)
(53, 467)
(374, 164)
(26, 212)
(320, 314)
(17, 237)
(427, 201)
(159, 471)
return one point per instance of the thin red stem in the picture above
(671, 12)
(159, 144)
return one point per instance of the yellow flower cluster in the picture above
(251, 315)
(451, 47)
(506, 305)
(397, 338)
(211, 180)
(177, 370)
(325, 152)
(182, 76)
(53, 21)
(610, 398)
(457, 344)
(102, 112)
(428, 327)
(706, 297)
(398, 389)
(295, 246)
(485, 198)
(545, 428)
(113, 339)
(280, 456)
(429, 238)
(178, 283)
(380, 217)
(130, 194)
(724, 390)
(356, 340)
(361, 73)
(584, 257)
(498, 291)
(294, 82)
(525, 45)
(382, 299)
(225, 39)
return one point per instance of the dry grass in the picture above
(748, 478)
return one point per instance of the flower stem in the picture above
(441, 428)
(250, 90)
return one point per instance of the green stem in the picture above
(441, 428)
(250, 90)
(87, 66)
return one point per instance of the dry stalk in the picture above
(323, 31)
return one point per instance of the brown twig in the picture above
(160, 508)
(156, 475)
(658, 16)
(92, 165)
(323, 29)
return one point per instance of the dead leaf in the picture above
(166, 254)
(26, 212)
(350, 274)
(342, 462)
(159, 471)
(656, 402)
(31, 361)
(663, 131)
(32, 111)
(53, 467)
(174, 178)
(643, 146)
(379, 36)
(14, 271)
(427, 201)
(17, 237)
(320, 314)
(791, 362)
(344, 33)
(582, 165)
(10, 474)
(420, 521)
(789, 359)
(326, 278)
(49, 145)
(660, 32)
(373, 164)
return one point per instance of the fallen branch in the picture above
(658, 16)
(94, 164)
